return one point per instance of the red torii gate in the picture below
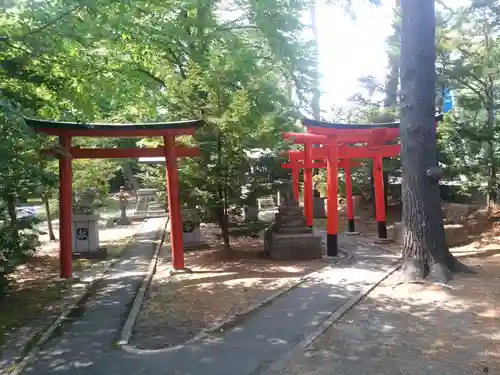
(68, 130)
(337, 142)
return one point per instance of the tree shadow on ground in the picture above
(414, 330)
(388, 333)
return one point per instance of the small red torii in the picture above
(68, 130)
(341, 142)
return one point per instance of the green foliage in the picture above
(468, 61)
(244, 70)
(21, 177)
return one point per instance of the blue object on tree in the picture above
(447, 100)
(375, 2)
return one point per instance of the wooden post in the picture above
(65, 209)
(174, 208)
(379, 197)
(332, 202)
(351, 226)
(308, 184)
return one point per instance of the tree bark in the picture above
(391, 86)
(11, 211)
(425, 251)
(492, 172)
(392, 82)
(45, 197)
(130, 177)
(221, 206)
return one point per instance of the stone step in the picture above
(294, 230)
(156, 212)
(155, 207)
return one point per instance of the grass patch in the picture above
(114, 250)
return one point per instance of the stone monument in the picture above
(86, 226)
(319, 211)
(191, 232)
(289, 238)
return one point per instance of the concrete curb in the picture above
(221, 324)
(17, 367)
(126, 332)
(334, 317)
(346, 252)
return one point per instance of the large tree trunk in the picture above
(425, 251)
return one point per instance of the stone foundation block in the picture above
(293, 246)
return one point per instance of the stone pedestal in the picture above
(251, 213)
(319, 210)
(267, 209)
(357, 203)
(156, 210)
(86, 236)
(266, 204)
(289, 238)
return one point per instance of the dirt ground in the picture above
(37, 294)
(414, 330)
(222, 284)
(420, 329)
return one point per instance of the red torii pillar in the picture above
(174, 208)
(65, 208)
(380, 214)
(308, 184)
(332, 224)
(351, 226)
(295, 179)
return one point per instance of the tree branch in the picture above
(52, 21)
(471, 87)
(177, 61)
(152, 76)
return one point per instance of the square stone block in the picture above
(294, 246)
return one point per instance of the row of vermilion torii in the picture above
(340, 145)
